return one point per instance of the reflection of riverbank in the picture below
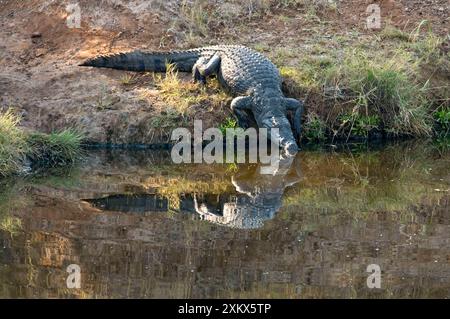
(345, 213)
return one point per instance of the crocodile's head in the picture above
(283, 136)
(271, 112)
(271, 105)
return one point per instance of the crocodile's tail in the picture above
(146, 61)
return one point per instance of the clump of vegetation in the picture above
(359, 125)
(390, 32)
(398, 91)
(385, 89)
(314, 128)
(56, 150)
(442, 118)
(182, 96)
(13, 146)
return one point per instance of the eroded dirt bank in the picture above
(40, 53)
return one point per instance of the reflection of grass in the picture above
(389, 181)
(69, 179)
(10, 200)
(185, 185)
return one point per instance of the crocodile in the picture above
(249, 76)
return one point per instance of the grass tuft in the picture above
(184, 98)
(128, 79)
(55, 150)
(13, 146)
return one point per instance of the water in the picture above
(139, 226)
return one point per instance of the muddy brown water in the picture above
(139, 226)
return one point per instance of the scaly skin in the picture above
(246, 74)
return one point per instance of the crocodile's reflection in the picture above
(134, 203)
(257, 198)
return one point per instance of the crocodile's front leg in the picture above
(297, 107)
(204, 68)
(241, 106)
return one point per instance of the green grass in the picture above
(55, 150)
(44, 151)
(400, 90)
(314, 128)
(13, 146)
(393, 33)
(228, 123)
(442, 118)
(359, 125)
(383, 88)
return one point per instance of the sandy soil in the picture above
(39, 53)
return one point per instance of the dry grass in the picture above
(184, 98)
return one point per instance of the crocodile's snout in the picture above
(283, 136)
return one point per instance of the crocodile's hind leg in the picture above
(204, 68)
(241, 107)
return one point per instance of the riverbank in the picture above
(355, 82)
